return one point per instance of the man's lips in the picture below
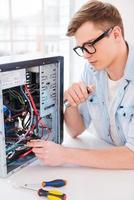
(93, 62)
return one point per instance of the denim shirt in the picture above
(95, 107)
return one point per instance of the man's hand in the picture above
(50, 153)
(110, 158)
(78, 93)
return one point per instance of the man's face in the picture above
(106, 47)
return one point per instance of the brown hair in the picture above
(104, 15)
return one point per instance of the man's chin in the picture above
(97, 66)
(93, 63)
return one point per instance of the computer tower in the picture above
(31, 107)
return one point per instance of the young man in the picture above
(105, 94)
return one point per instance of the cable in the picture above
(29, 122)
(31, 109)
(34, 106)
(40, 121)
(17, 96)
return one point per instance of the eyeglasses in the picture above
(89, 46)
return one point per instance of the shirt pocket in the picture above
(94, 107)
(125, 116)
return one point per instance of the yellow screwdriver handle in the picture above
(56, 195)
(50, 197)
(55, 192)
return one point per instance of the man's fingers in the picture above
(38, 150)
(79, 90)
(75, 95)
(78, 93)
(83, 89)
(36, 143)
(70, 99)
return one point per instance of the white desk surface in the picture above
(82, 183)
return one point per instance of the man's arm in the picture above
(112, 158)
(74, 121)
(75, 95)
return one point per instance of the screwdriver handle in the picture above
(54, 183)
(57, 197)
(52, 194)
(42, 193)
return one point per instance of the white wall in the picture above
(126, 8)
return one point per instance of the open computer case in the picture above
(31, 107)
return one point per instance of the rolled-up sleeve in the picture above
(130, 136)
(83, 109)
(87, 79)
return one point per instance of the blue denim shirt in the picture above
(95, 108)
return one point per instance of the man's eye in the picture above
(88, 45)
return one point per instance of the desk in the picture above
(82, 183)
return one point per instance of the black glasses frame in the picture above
(83, 48)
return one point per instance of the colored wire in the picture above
(34, 107)
(31, 109)
(17, 96)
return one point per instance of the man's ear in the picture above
(117, 33)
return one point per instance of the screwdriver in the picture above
(50, 194)
(54, 183)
